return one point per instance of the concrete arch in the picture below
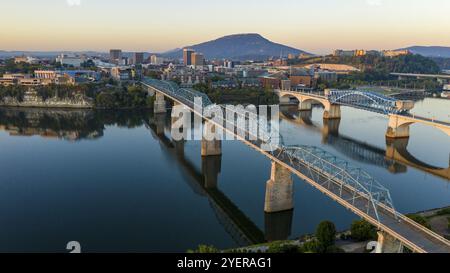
(332, 111)
(399, 126)
(305, 104)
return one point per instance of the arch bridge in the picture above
(397, 110)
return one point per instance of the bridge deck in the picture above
(426, 120)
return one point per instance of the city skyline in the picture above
(98, 25)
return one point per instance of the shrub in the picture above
(204, 249)
(363, 231)
(326, 234)
(282, 248)
(310, 247)
(443, 212)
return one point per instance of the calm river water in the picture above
(115, 182)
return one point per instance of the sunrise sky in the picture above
(317, 26)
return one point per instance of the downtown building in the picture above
(187, 56)
(115, 56)
(138, 58)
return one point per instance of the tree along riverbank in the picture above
(85, 96)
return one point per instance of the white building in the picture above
(155, 60)
(74, 61)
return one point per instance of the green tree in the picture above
(326, 235)
(363, 231)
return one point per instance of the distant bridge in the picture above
(422, 76)
(350, 186)
(397, 110)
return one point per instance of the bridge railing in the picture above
(344, 174)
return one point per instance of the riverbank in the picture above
(438, 220)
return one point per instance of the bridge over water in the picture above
(397, 110)
(348, 185)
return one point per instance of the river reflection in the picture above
(116, 181)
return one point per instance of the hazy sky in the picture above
(317, 26)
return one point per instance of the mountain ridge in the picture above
(238, 46)
(430, 51)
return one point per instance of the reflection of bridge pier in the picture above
(211, 168)
(330, 128)
(160, 122)
(179, 147)
(278, 225)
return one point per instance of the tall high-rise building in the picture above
(115, 56)
(197, 59)
(138, 58)
(187, 56)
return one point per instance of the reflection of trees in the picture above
(66, 124)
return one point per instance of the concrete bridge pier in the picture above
(211, 168)
(211, 147)
(285, 101)
(397, 128)
(388, 244)
(278, 226)
(160, 104)
(279, 190)
(305, 105)
(180, 122)
(174, 117)
(332, 111)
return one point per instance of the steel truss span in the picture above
(366, 100)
